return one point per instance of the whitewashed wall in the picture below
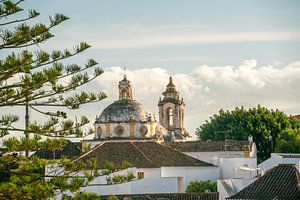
(236, 185)
(191, 173)
(147, 185)
(213, 157)
(228, 162)
(156, 180)
(276, 159)
(150, 172)
(230, 167)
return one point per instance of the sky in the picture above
(221, 54)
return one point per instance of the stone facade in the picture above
(127, 118)
(171, 112)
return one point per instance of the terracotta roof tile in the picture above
(208, 146)
(140, 155)
(70, 150)
(169, 196)
(281, 182)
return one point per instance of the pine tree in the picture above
(35, 79)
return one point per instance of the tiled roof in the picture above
(281, 182)
(169, 196)
(296, 117)
(290, 155)
(70, 150)
(208, 146)
(140, 154)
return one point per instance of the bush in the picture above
(202, 186)
(130, 177)
(113, 198)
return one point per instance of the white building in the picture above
(163, 170)
(230, 187)
(234, 158)
(279, 158)
(157, 150)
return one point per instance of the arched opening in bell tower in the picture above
(170, 117)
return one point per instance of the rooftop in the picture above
(289, 155)
(281, 182)
(173, 196)
(209, 146)
(71, 150)
(296, 117)
(140, 154)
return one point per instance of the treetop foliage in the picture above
(272, 130)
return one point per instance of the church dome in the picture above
(124, 111)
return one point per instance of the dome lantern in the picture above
(125, 89)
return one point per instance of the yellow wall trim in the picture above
(107, 129)
(132, 126)
(152, 128)
(247, 154)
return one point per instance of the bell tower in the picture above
(125, 89)
(171, 111)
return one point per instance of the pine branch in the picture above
(32, 14)
(38, 174)
(38, 37)
(13, 11)
(65, 128)
(17, 99)
(5, 74)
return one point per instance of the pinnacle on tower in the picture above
(170, 84)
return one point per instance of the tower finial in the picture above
(170, 84)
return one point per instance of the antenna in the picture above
(125, 75)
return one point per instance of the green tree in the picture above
(202, 186)
(35, 79)
(266, 126)
(288, 141)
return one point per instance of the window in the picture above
(140, 175)
(99, 132)
(119, 130)
(143, 130)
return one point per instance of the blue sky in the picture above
(222, 54)
(134, 22)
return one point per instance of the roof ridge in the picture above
(132, 143)
(271, 185)
(88, 152)
(190, 157)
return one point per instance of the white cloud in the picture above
(205, 90)
(208, 88)
(172, 39)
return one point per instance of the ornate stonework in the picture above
(171, 112)
(127, 118)
(125, 89)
